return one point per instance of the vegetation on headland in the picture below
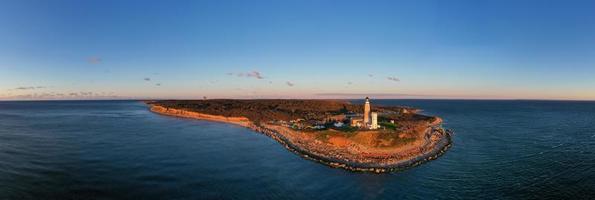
(311, 127)
(273, 109)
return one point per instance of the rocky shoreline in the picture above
(436, 150)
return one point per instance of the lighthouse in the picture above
(367, 112)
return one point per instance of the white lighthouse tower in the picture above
(367, 112)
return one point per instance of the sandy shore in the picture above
(351, 157)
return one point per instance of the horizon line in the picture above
(197, 99)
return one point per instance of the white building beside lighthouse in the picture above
(374, 124)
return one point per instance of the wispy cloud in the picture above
(25, 88)
(392, 78)
(94, 60)
(290, 84)
(158, 84)
(147, 79)
(252, 74)
(71, 95)
(255, 74)
(29, 88)
(371, 75)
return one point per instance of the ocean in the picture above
(120, 150)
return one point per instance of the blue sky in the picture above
(297, 49)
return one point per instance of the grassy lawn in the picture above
(388, 125)
(387, 138)
(324, 135)
(348, 129)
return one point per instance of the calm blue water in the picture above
(119, 150)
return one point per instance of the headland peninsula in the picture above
(337, 133)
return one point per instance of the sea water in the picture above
(120, 150)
